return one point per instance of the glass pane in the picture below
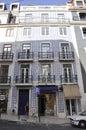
(68, 107)
(45, 69)
(50, 102)
(45, 47)
(73, 105)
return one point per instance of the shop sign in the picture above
(2, 97)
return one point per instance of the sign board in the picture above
(2, 97)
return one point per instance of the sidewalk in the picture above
(41, 120)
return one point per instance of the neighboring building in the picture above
(78, 25)
(39, 61)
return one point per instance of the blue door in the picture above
(23, 99)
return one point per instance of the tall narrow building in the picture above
(42, 52)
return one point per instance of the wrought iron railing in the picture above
(68, 79)
(46, 78)
(24, 55)
(66, 56)
(46, 55)
(5, 79)
(8, 56)
(24, 79)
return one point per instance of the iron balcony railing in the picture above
(24, 55)
(66, 56)
(68, 79)
(24, 79)
(8, 56)
(5, 79)
(46, 78)
(46, 55)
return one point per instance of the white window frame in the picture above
(78, 5)
(9, 32)
(30, 67)
(26, 31)
(71, 67)
(43, 65)
(26, 45)
(63, 31)
(44, 17)
(28, 18)
(44, 30)
(45, 44)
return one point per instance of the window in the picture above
(82, 16)
(11, 19)
(44, 17)
(84, 31)
(14, 7)
(25, 72)
(45, 30)
(64, 50)
(7, 48)
(60, 17)
(63, 31)
(67, 72)
(45, 47)
(45, 69)
(26, 47)
(79, 3)
(28, 17)
(1, 7)
(7, 52)
(9, 32)
(26, 31)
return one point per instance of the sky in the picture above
(36, 2)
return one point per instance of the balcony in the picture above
(25, 57)
(46, 56)
(6, 57)
(69, 56)
(68, 79)
(5, 80)
(46, 79)
(24, 80)
(38, 20)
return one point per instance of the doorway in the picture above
(23, 100)
(46, 104)
(71, 107)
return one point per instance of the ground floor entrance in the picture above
(47, 104)
(23, 106)
(71, 106)
(3, 100)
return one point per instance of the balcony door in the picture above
(26, 50)
(25, 71)
(7, 51)
(45, 48)
(4, 73)
(45, 72)
(67, 72)
(65, 49)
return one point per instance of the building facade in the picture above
(78, 10)
(39, 60)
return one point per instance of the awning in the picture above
(45, 89)
(71, 91)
